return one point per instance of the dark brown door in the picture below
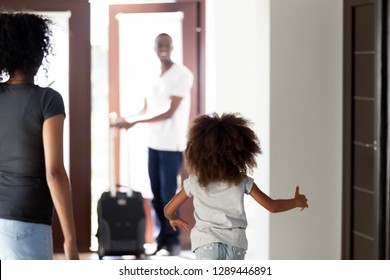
(365, 185)
(193, 58)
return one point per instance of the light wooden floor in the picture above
(94, 256)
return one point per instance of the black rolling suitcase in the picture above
(121, 219)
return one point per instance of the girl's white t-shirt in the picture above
(219, 212)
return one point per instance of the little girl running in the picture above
(220, 151)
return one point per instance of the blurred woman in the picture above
(33, 179)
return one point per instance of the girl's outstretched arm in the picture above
(171, 208)
(279, 205)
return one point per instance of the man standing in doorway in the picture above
(167, 111)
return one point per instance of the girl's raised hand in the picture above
(301, 199)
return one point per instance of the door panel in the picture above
(363, 168)
(364, 159)
(364, 26)
(364, 73)
(364, 117)
(362, 248)
(364, 217)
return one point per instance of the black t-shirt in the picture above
(24, 193)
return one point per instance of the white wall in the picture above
(279, 63)
(237, 80)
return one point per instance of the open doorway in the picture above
(126, 50)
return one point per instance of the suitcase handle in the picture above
(113, 134)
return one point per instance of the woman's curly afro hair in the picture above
(221, 148)
(24, 42)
